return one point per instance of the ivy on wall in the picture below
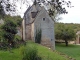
(38, 36)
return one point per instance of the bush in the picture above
(3, 43)
(29, 53)
(17, 38)
(18, 41)
(3, 46)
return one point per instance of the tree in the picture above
(55, 7)
(1, 10)
(7, 7)
(9, 31)
(9, 28)
(12, 7)
(65, 33)
(16, 19)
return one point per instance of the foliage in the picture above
(55, 7)
(18, 41)
(38, 36)
(1, 10)
(45, 53)
(7, 6)
(29, 53)
(16, 19)
(74, 26)
(17, 38)
(9, 30)
(64, 32)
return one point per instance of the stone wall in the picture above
(28, 32)
(45, 23)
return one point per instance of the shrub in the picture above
(18, 41)
(17, 38)
(29, 53)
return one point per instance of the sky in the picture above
(73, 15)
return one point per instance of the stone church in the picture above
(36, 17)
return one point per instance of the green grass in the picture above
(44, 52)
(13, 55)
(71, 50)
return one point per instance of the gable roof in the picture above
(34, 14)
(45, 12)
(28, 9)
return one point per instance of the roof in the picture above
(33, 14)
(28, 9)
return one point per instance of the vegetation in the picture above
(8, 31)
(6, 6)
(55, 7)
(71, 50)
(38, 36)
(17, 38)
(30, 53)
(64, 33)
(43, 52)
(74, 26)
(16, 19)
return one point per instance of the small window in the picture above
(43, 19)
(51, 39)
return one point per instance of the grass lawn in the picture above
(13, 55)
(71, 50)
(44, 52)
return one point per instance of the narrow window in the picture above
(43, 19)
(51, 39)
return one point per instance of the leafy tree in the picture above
(65, 33)
(9, 28)
(9, 31)
(55, 7)
(1, 10)
(7, 7)
(16, 19)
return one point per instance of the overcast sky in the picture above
(73, 15)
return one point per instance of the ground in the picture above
(44, 52)
(71, 50)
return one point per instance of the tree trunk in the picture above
(66, 42)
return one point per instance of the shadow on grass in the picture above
(63, 45)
